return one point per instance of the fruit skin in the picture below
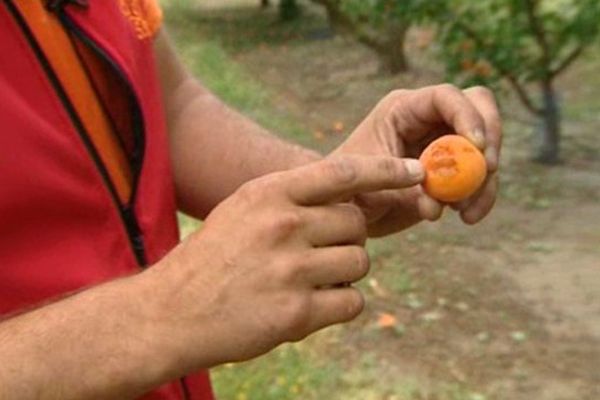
(455, 168)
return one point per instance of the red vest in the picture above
(60, 227)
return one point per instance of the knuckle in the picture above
(264, 184)
(356, 214)
(254, 190)
(285, 224)
(393, 101)
(447, 87)
(247, 191)
(356, 304)
(296, 314)
(482, 91)
(362, 261)
(341, 169)
(388, 167)
(396, 94)
(358, 221)
(293, 270)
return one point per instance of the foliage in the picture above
(288, 10)
(376, 25)
(483, 42)
(523, 41)
(379, 11)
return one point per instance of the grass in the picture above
(291, 371)
(285, 374)
(206, 56)
(210, 44)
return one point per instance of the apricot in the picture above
(455, 168)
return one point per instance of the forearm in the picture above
(216, 149)
(102, 343)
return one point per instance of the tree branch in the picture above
(514, 82)
(538, 32)
(564, 64)
(522, 93)
(361, 33)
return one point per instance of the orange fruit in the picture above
(455, 168)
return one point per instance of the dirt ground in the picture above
(511, 307)
(531, 271)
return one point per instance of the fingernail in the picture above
(491, 156)
(478, 138)
(415, 169)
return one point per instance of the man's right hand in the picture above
(267, 265)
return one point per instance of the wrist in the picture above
(99, 343)
(177, 321)
(142, 336)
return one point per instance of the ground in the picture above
(508, 309)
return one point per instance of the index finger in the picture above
(343, 177)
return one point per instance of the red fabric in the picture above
(59, 228)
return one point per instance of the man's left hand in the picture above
(402, 125)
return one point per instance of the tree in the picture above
(288, 10)
(526, 43)
(374, 24)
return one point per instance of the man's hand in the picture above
(402, 125)
(272, 262)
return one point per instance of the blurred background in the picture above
(508, 309)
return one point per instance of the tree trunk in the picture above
(548, 151)
(288, 10)
(338, 21)
(265, 3)
(392, 52)
(387, 40)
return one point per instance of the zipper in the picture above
(125, 210)
(138, 128)
(137, 158)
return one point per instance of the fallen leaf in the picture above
(338, 127)
(386, 320)
(377, 289)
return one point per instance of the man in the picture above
(98, 299)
